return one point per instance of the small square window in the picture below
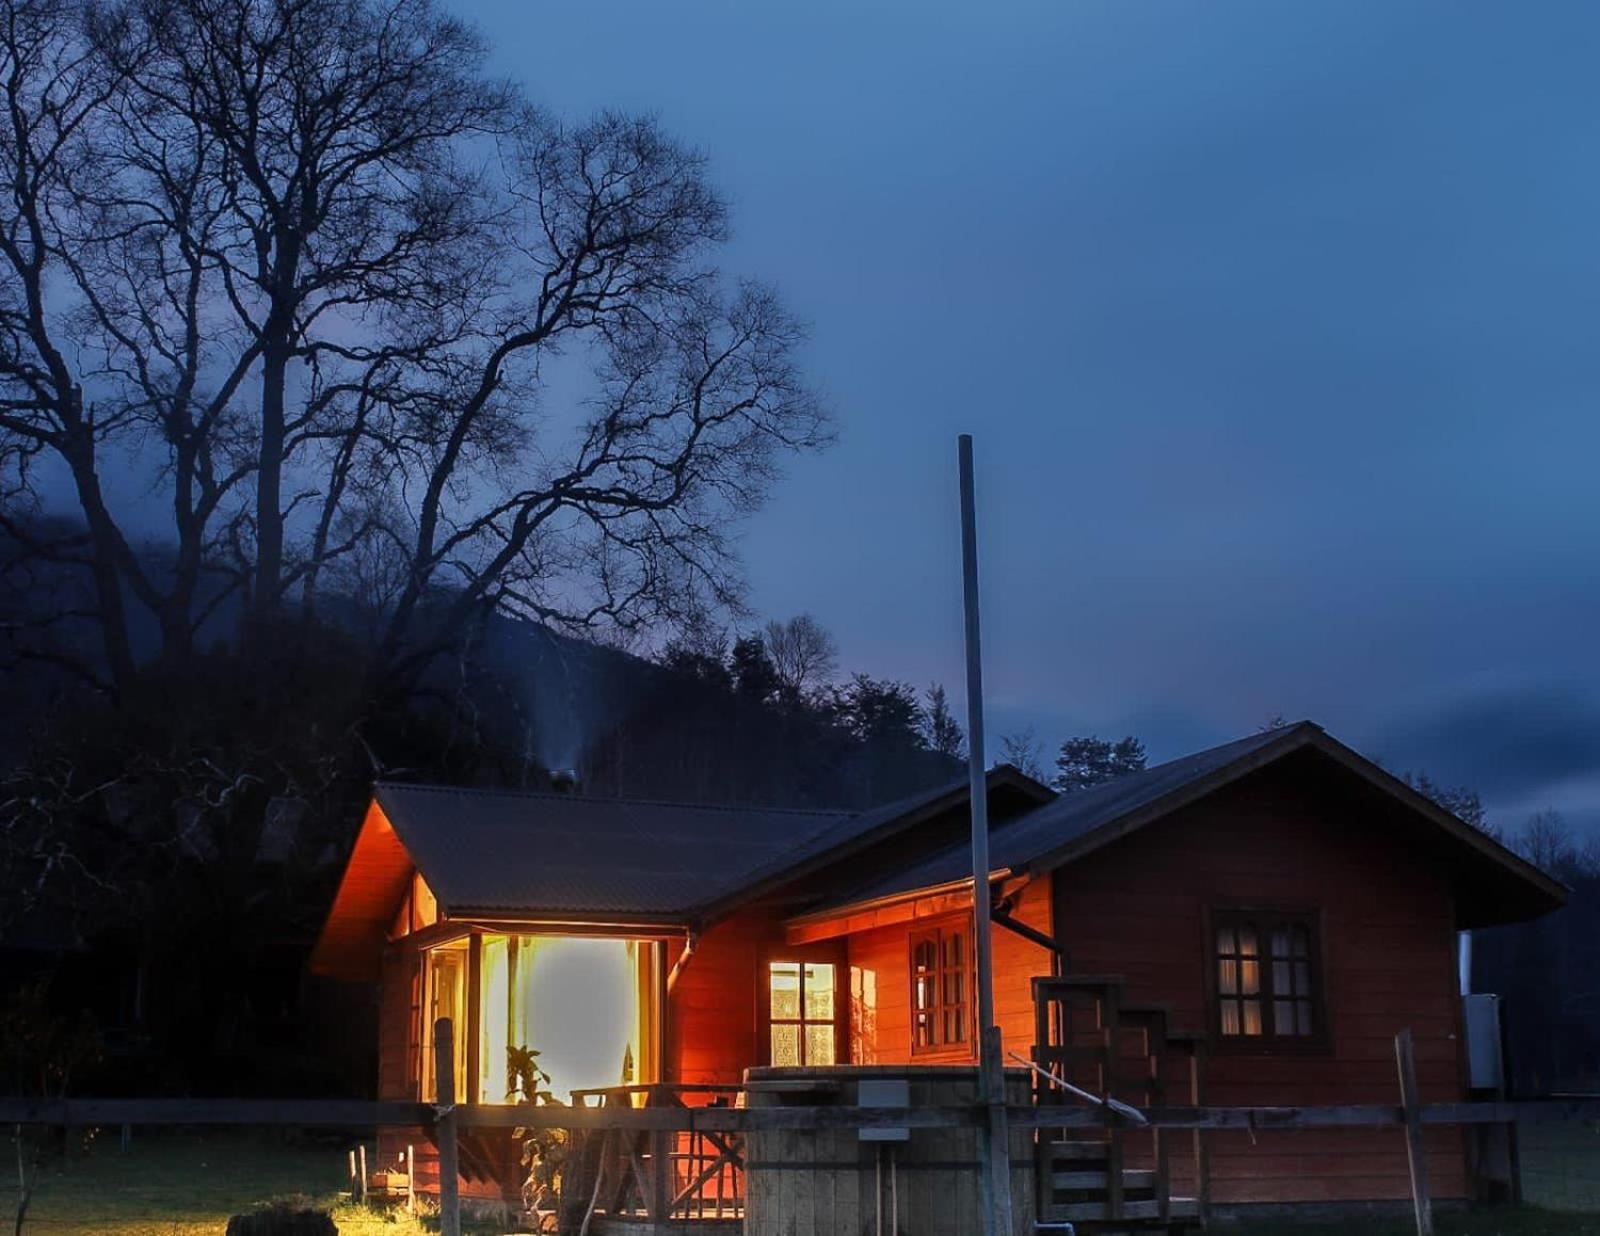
(1268, 997)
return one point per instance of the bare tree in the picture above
(53, 89)
(803, 652)
(1024, 752)
(315, 269)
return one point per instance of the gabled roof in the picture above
(501, 852)
(1076, 824)
(568, 858)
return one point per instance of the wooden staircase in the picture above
(1118, 1178)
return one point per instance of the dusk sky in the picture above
(1276, 324)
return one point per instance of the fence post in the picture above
(1416, 1152)
(444, 1073)
(411, 1179)
(363, 1178)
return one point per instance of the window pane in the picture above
(924, 954)
(1283, 1017)
(924, 993)
(1282, 984)
(1302, 978)
(819, 992)
(1280, 942)
(922, 1030)
(952, 986)
(1252, 1017)
(786, 1045)
(1247, 942)
(1250, 977)
(1225, 940)
(785, 990)
(1301, 939)
(819, 1044)
(1303, 1018)
(954, 949)
(1228, 977)
(1230, 1017)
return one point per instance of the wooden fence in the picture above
(443, 1120)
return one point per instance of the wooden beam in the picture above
(444, 1065)
(1416, 1150)
(311, 1113)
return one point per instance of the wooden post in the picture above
(994, 1142)
(1416, 1152)
(411, 1179)
(355, 1189)
(444, 1071)
(363, 1178)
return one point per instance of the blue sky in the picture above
(1277, 325)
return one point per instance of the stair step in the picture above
(1100, 1212)
(1055, 1151)
(1077, 982)
(1131, 1179)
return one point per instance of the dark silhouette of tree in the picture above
(1088, 760)
(754, 675)
(301, 265)
(880, 711)
(803, 653)
(1460, 800)
(941, 731)
(1024, 752)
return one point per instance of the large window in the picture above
(941, 990)
(445, 988)
(582, 1002)
(1266, 979)
(802, 1012)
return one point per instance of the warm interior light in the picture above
(574, 999)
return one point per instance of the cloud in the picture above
(1510, 745)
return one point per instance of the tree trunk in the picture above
(269, 486)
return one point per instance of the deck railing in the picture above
(654, 1175)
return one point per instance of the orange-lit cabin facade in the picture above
(1188, 905)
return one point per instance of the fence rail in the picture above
(355, 1112)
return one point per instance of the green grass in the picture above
(1503, 1222)
(171, 1185)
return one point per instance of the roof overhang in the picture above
(1526, 890)
(907, 907)
(821, 854)
(1515, 888)
(370, 891)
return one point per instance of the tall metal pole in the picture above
(996, 1165)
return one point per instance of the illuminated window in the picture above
(445, 987)
(802, 1012)
(1266, 977)
(941, 985)
(585, 1004)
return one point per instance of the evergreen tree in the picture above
(1089, 760)
(941, 731)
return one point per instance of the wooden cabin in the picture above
(1272, 911)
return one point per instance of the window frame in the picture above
(1264, 918)
(938, 933)
(801, 1022)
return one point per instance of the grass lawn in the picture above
(1528, 1222)
(172, 1185)
(188, 1185)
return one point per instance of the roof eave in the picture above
(772, 877)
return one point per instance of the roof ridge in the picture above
(434, 787)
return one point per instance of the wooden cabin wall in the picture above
(1138, 909)
(879, 961)
(717, 1024)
